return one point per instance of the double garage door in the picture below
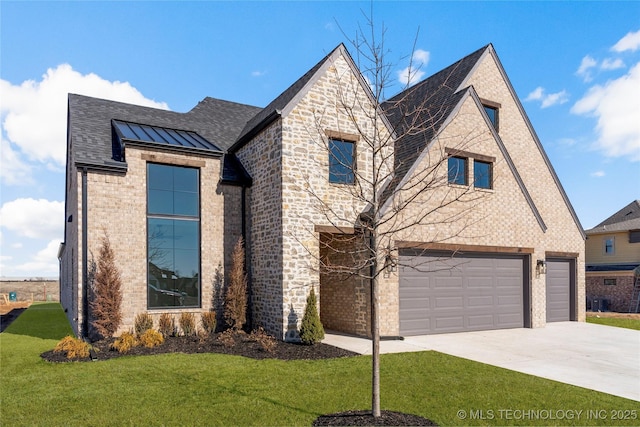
(442, 294)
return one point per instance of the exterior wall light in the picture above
(541, 267)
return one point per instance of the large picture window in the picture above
(173, 236)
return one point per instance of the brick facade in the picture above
(618, 295)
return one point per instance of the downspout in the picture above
(85, 261)
(243, 213)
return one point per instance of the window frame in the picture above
(349, 173)
(605, 245)
(176, 293)
(465, 174)
(495, 108)
(609, 281)
(490, 174)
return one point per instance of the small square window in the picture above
(458, 170)
(609, 246)
(609, 282)
(341, 161)
(482, 174)
(492, 112)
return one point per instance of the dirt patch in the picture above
(635, 316)
(7, 308)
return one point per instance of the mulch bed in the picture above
(365, 418)
(244, 346)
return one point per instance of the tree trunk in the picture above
(375, 330)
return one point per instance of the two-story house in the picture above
(479, 231)
(612, 254)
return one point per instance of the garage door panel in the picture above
(478, 293)
(480, 321)
(449, 302)
(558, 287)
(481, 301)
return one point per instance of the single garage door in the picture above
(558, 290)
(441, 294)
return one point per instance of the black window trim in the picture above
(354, 156)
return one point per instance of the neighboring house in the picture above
(174, 192)
(612, 253)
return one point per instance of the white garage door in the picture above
(466, 293)
(558, 290)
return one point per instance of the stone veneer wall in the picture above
(117, 206)
(262, 160)
(619, 295)
(308, 197)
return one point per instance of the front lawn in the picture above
(214, 389)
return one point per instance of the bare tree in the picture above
(402, 191)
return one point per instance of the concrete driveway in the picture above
(596, 357)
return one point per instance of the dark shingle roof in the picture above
(627, 218)
(418, 113)
(220, 122)
(272, 110)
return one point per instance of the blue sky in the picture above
(574, 65)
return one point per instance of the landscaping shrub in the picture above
(266, 341)
(227, 338)
(188, 324)
(126, 342)
(107, 296)
(311, 330)
(209, 322)
(143, 323)
(74, 347)
(167, 325)
(150, 338)
(235, 304)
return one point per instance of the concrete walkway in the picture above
(596, 357)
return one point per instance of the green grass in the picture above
(616, 321)
(211, 389)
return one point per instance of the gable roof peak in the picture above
(629, 212)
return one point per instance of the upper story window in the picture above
(173, 236)
(458, 170)
(492, 109)
(634, 236)
(609, 245)
(482, 174)
(342, 161)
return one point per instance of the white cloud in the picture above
(13, 171)
(612, 64)
(616, 105)
(414, 72)
(547, 100)
(598, 174)
(36, 219)
(45, 262)
(258, 73)
(34, 113)
(631, 41)
(584, 70)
